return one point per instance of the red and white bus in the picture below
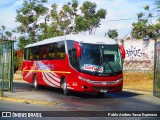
(82, 63)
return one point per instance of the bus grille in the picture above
(101, 87)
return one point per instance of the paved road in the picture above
(125, 101)
(20, 108)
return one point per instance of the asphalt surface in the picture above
(25, 97)
(20, 108)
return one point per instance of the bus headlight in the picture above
(84, 79)
(119, 80)
(100, 82)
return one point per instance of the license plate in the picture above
(103, 90)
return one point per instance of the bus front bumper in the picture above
(101, 86)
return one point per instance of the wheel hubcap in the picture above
(35, 83)
(64, 86)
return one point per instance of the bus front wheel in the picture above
(64, 87)
(35, 83)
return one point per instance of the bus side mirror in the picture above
(123, 53)
(78, 49)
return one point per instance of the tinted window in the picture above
(30, 54)
(72, 54)
(44, 52)
(26, 54)
(60, 50)
(51, 51)
(36, 53)
(100, 59)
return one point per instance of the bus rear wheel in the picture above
(64, 87)
(35, 83)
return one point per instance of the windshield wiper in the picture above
(107, 63)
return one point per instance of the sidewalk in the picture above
(138, 91)
(29, 96)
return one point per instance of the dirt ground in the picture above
(132, 80)
(18, 75)
(138, 81)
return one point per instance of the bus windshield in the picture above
(100, 60)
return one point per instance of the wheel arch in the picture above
(34, 74)
(63, 77)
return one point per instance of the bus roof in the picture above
(92, 39)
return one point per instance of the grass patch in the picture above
(138, 81)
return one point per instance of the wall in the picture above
(20, 59)
(139, 55)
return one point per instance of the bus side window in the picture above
(26, 54)
(30, 54)
(36, 53)
(72, 55)
(44, 52)
(51, 51)
(61, 50)
(74, 59)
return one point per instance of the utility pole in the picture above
(1, 74)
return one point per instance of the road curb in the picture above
(29, 101)
(20, 81)
(138, 92)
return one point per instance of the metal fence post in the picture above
(1, 92)
(156, 83)
(12, 67)
(1, 74)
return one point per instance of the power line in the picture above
(10, 28)
(125, 19)
(119, 19)
(114, 20)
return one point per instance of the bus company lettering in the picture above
(90, 67)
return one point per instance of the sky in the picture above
(117, 11)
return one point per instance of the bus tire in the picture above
(35, 83)
(64, 87)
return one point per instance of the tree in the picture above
(144, 28)
(56, 23)
(29, 16)
(5, 35)
(90, 18)
(64, 20)
(157, 3)
(68, 20)
(23, 41)
(112, 34)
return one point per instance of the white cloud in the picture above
(116, 9)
